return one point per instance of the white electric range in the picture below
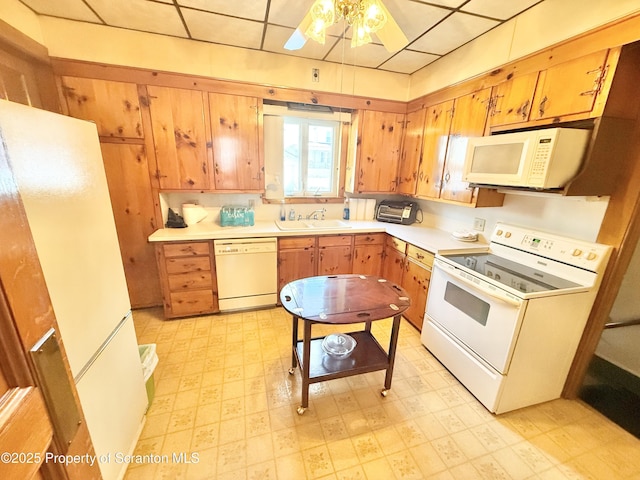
(507, 322)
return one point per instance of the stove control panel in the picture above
(591, 256)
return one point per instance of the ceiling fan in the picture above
(363, 16)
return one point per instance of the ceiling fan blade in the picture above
(391, 35)
(298, 38)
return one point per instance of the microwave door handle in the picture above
(486, 291)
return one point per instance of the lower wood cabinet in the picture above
(368, 251)
(188, 278)
(409, 266)
(297, 258)
(335, 254)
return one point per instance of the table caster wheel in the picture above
(384, 392)
(291, 371)
(301, 410)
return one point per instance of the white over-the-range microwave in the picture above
(540, 159)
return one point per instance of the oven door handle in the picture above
(452, 271)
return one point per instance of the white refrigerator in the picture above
(60, 175)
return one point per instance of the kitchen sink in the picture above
(312, 225)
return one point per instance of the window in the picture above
(311, 157)
(302, 153)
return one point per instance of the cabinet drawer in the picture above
(189, 281)
(396, 244)
(370, 239)
(186, 249)
(296, 242)
(187, 264)
(422, 256)
(193, 302)
(334, 240)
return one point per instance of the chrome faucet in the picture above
(314, 214)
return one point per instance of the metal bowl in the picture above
(338, 345)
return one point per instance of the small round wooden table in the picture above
(340, 300)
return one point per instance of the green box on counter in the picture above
(236, 216)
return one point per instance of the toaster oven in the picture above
(397, 212)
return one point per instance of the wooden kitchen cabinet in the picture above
(512, 100)
(411, 152)
(434, 148)
(570, 87)
(235, 131)
(180, 138)
(394, 258)
(113, 106)
(297, 258)
(469, 119)
(188, 278)
(335, 254)
(127, 175)
(368, 252)
(415, 280)
(374, 164)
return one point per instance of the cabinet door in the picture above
(411, 152)
(113, 106)
(393, 265)
(379, 142)
(570, 87)
(179, 134)
(132, 203)
(295, 264)
(469, 118)
(511, 101)
(334, 260)
(236, 154)
(434, 149)
(416, 282)
(367, 259)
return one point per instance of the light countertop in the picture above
(430, 239)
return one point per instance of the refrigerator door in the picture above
(60, 174)
(114, 399)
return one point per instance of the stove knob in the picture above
(591, 256)
(507, 235)
(576, 252)
(498, 232)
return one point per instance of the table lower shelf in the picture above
(367, 356)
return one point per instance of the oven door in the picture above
(478, 314)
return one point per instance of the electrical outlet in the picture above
(315, 74)
(478, 224)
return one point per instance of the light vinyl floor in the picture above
(225, 401)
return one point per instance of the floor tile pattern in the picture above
(225, 408)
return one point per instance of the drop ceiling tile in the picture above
(456, 30)
(370, 55)
(287, 13)
(415, 18)
(276, 37)
(140, 15)
(73, 9)
(446, 3)
(408, 62)
(498, 8)
(253, 9)
(221, 29)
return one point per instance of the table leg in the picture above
(294, 343)
(393, 343)
(306, 357)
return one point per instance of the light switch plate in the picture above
(478, 224)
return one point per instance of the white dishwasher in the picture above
(247, 272)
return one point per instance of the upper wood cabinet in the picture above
(113, 106)
(570, 87)
(235, 132)
(469, 118)
(512, 100)
(180, 138)
(411, 152)
(434, 148)
(375, 163)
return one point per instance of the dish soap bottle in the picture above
(283, 212)
(345, 210)
(292, 214)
